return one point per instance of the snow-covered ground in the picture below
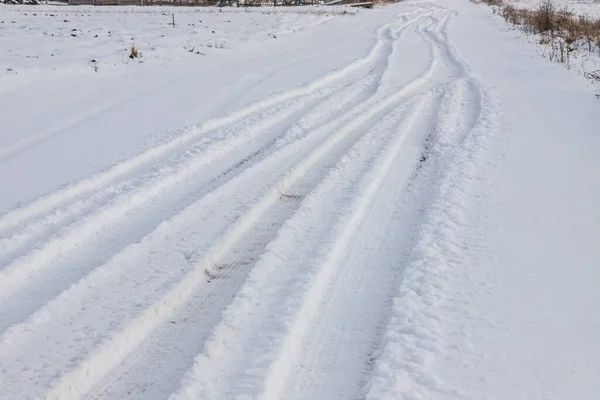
(573, 45)
(590, 8)
(396, 204)
(82, 39)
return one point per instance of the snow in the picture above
(528, 286)
(338, 203)
(80, 39)
(580, 55)
(580, 7)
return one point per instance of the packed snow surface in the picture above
(294, 203)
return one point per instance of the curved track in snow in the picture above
(249, 257)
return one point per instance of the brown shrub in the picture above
(511, 14)
(560, 31)
(496, 3)
(133, 52)
(543, 17)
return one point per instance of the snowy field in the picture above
(397, 203)
(581, 7)
(77, 39)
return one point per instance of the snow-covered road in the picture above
(299, 218)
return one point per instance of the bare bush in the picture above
(543, 17)
(511, 14)
(496, 3)
(594, 75)
(560, 31)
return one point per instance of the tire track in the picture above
(281, 367)
(212, 147)
(261, 303)
(396, 36)
(80, 234)
(411, 341)
(148, 381)
(16, 341)
(16, 242)
(122, 343)
(336, 361)
(469, 85)
(20, 146)
(302, 133)
(297, 163)
(169, 350)
(267, 379)
(312, 317)
(332, 357)
(225, 278)
(16, 274)
(198, 383)
(26, 302)
(50, 309)
(47, 203)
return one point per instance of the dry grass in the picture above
(133, 52)
(559, 30)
